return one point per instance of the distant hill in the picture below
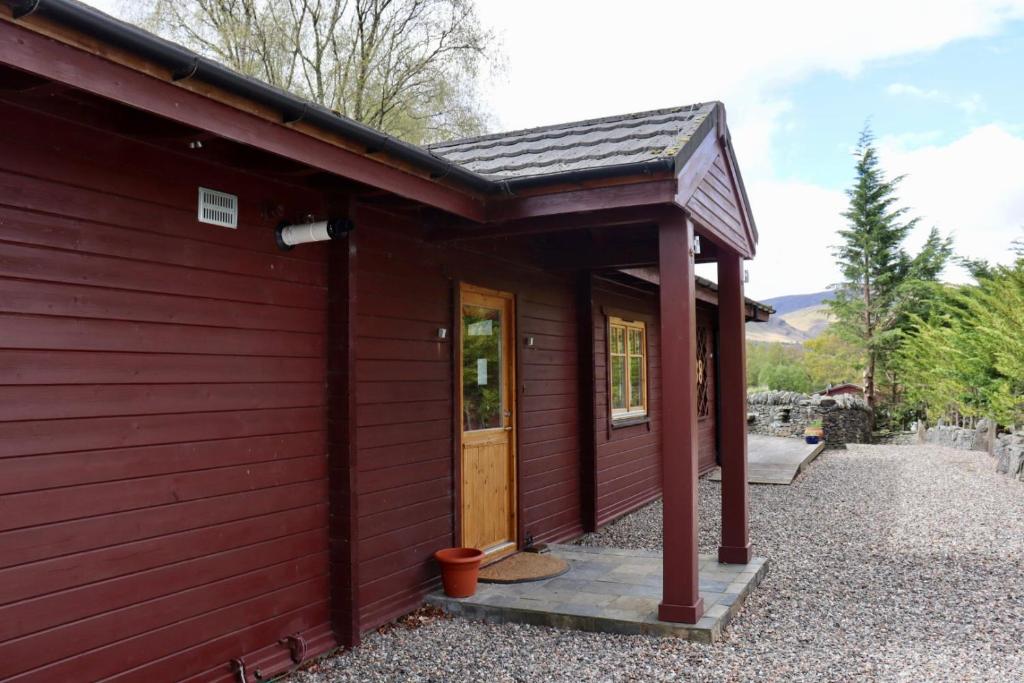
(794, 302)
(797, 318)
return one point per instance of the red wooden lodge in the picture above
(215, 449)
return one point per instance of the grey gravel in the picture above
(888, 563)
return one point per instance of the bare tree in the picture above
(406, 67)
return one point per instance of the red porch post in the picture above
(680, 601)
(732, 417)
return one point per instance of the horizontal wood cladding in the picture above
(629, 457)
(404, 412)
(715, 206)
(163, 470)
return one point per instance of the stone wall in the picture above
(844, 418)
(1007, 449)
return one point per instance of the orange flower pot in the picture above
(459, 570)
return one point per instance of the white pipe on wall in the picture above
(289, 236)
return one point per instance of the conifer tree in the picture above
(882, 284)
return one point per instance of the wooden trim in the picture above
(456, 356)
(651, 192)
(628, 315)
(696, 167)
(343, 471)
(587, 403)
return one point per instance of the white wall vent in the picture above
(218, 208)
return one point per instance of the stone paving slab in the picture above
(775, 459)
(611, 590)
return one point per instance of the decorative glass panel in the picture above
(703, 404)
(482, 393)
(636, 381)
(618, 383)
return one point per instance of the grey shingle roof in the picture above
(610, 141)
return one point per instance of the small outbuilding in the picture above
(840, 389)
(259, 361)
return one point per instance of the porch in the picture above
(612, 590)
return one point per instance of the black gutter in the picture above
(185, 64)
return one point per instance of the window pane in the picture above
(636, 342)
(636, 382)
(618, 339)
(618, 383)
(482, 393)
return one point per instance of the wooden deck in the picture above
(775, 459)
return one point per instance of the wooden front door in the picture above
(486, 384)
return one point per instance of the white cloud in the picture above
(577, 59)
(970, 104)
(971, 187)
(797, 223)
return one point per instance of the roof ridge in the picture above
(618, 118)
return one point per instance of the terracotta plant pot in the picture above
(459, 570)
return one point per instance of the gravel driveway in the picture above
(887, 563)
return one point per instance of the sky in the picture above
(941, 83)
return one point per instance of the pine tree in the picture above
(882, 285)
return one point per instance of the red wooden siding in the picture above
(404, 390)
(714, 205)
(162, 450)
(629, 458)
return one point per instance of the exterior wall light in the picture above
(696, 244)
(530, 342)
(302, 233)
(442, 333)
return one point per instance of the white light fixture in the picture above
(746, 275)
(442, 333)
(289, 236)
(696, 244)
(530, 342)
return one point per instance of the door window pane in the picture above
(482, 391)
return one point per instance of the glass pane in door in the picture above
(482, 394)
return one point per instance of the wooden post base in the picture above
(681, 614)
(734, 554)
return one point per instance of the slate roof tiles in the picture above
(609, 141)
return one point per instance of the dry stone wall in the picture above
(844, 418)
(1007, 449)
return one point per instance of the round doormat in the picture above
(523, 567)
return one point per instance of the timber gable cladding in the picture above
(216, 451)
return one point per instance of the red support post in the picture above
(681, 601)
(732, 418)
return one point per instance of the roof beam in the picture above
(647, 193)
(604, 218)
(632, 255)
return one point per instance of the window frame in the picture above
(630, 413)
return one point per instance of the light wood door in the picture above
(486, 383)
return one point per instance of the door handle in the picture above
(508, 428)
